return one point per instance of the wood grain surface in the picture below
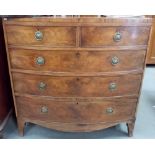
(77, 75)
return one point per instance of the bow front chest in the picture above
(76, 74)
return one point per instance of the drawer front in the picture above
(76, 86)
(111, 36)
(78, 112)
(50, 36)
(70, 61)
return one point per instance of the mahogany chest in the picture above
(151, 49)
(76, 74)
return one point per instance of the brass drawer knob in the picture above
(117, 37)
(38, 35)
(112, 86)
(44, 109)
(40, 61)
(114, 60)
(109, 110)
(42, 86)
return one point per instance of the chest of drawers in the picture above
(151, 50)
(76, 74)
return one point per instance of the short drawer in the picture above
(49, 36)
(76, 86)
(114, 36)
(109, 110)
(77, 61)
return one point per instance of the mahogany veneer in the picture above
(76, 74)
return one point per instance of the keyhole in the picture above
(78, 54)
(77, 103)
(77, 79)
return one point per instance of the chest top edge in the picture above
(79, 21)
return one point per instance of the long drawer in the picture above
(76, 86)
(76, 61)
(109, 110)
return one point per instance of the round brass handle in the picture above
(109, 110)
(44, 109)
(117, 36)
(42, 86)
(114, 60)
(112, 86)
(38, 35)
(40, 61)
